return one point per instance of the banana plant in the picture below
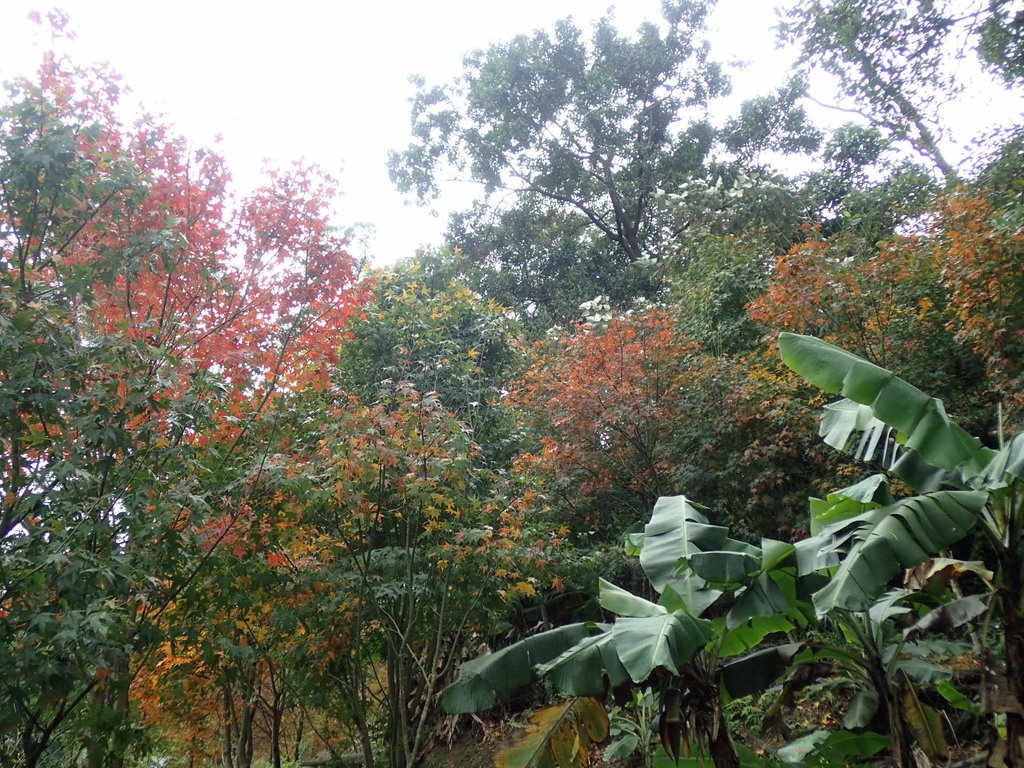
(719, 598)
(961, 484)
(887, 668)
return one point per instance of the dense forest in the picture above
(672, 454)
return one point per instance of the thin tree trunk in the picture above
(276, 716)
(226, 744)
(298, 735)
(1011, 702)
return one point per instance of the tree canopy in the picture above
(260, 504)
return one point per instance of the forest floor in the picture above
(821, 708)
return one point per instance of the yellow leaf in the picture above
(525, 588)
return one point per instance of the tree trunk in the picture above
(1011, 700)
(298, 735)
(276, 716)
(227, 752)
(903, 754)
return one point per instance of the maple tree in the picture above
(978, 251)
(145, 332)
(602, 400)
(891, 306)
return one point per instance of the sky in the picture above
(327, 80)
(321, 80)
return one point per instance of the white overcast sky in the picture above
(326, 80)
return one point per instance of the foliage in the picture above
(143, 337)
(892, 306)
(631, 727)
(979, 261)
(603, 398)
(558, 736)
(413, 534)
(713, 290)
(439, 337)
(897, 62)
(589, 127)
(933, 452)
(693, 566)
(542, 263)
(1002, 44)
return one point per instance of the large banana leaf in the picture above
(624, 603)
(1006, 467)
(881, 541)
(920, 420)
(743, 638)
(843, 420)
(631, 649)
(483, 681)
(768, 594)
(757, 671)
(558, 737)
(670, 640)
(580, 670)
(678, 533)
(869, 493)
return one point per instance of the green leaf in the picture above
(758, 671)
(623, 603)
(920, 420)
(775, 553)
(955, 697)
(889, 605)
(621, 748)
(797, 751)
(763, 597)
(676, 530)
(948, 616)
(670, 641)
(676, 534)
(832, 750)
(882, 541)
(869, 493)
(718, 567)
(921, 671)
(748, 635)
(862, 709)
(580, 670)
(843, 420)
(483, 681)
(1006, 467)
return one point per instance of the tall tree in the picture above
(591, 127)
(143, 336)
(898, 62)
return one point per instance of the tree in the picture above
(891, 304)
(143, 338)
(897, 62)
(590, 128)
(718, 598)
(543, 263)
(603, 401)
(978, 250)
(1002, 41)
(423, 328)
(412, 546)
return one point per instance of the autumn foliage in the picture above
(254, 504)
(604, 399)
